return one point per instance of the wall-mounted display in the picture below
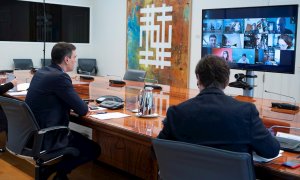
(252, 38)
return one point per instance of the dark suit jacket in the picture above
(3, 121)
(217, 120)
(51, 96)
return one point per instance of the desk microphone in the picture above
(87, 75)
(154, 86)
(116, 82)
(85, 72)
(284, 105)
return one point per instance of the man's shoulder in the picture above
(288, 31)
(52, 74)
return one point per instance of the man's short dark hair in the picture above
(213, 71)
(212, 36)
(244, 55)
(60, 51)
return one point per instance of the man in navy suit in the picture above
(51, 96)
(217, 120)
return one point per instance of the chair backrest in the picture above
(135, 75)
(21, 124)
(179, 160)
(87, 66)
(23, 64)
(47, 62)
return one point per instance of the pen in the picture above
(101, 112)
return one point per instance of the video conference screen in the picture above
(252, 38)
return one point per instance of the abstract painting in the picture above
(158, 34)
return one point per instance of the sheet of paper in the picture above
(23, 87)
(17, 93)
(109, 115)
(258, 158)
(288, 136)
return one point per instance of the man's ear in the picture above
(66, 60)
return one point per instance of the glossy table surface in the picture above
(148, 128)
(173, 96)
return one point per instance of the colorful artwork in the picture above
(158, 34)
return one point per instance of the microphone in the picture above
(156, 87)
(85, 72)
(87, 75)
(284, 105)
(113, 82)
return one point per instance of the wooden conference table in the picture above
(126, 142)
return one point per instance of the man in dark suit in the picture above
(217, 120)
(51, 96)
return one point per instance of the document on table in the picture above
(17, 93)
(109, 115)
(258, 158)
(23, 86)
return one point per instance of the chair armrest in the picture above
(39, 138)
(45, 130)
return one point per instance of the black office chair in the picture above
(135, 75)
(87, 66)
(179, 160)
(3, 129)
(45, 62)
(23, 64)
(25, 137)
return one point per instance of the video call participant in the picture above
(51, 96)
(244, 59)
(285, 42)
(235, 27)
(212, 40)
(261, 41)
(225, 55)
(254, 29)
(268, 61)
(281, 29)
(217, 120)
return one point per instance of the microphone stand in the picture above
(287, 106)
(45, 33)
